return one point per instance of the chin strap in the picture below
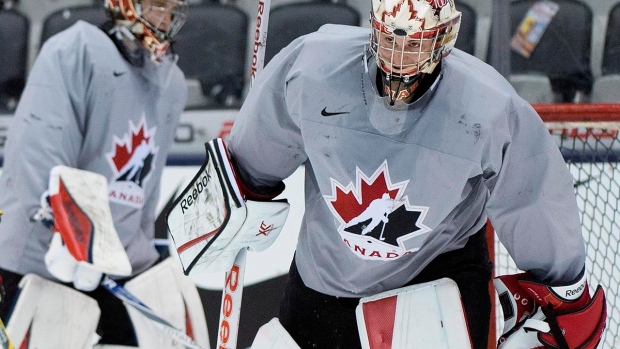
(134, 37)
(127, 44)
(397, 88)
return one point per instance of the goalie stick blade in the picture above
(205, 208)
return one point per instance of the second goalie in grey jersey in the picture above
(408, 151)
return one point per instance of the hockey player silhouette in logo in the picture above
(377, 212)
(139, 165)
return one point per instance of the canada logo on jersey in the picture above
(374, 217)
(132, 159)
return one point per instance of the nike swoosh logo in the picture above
(326, 113)
(118, 73)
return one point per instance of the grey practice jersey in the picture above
(386, 190)
(85, 106)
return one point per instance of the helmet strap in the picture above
(409, 89)
(398, 88)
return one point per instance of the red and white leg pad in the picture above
(428, 315)
(48, 315)
(174, 297)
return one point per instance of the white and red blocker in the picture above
(428, 315)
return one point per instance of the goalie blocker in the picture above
(217, 215)
(550, 316)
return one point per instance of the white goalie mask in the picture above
(152, 22)
(409, 38)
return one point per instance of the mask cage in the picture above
(432, 45)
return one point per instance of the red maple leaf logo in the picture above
(133, 147)
(124, 149)
(349, 202)
(409, 8)
(374, 217)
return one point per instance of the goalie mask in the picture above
(408, 39)
(152, 22)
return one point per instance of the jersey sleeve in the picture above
(268, 111)
(532, 203)
(46, 129)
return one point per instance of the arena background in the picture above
(209, 116)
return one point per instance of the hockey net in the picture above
(588, 137)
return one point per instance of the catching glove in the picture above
(85, 244)
(545, 316)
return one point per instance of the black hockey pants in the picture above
(316, 320)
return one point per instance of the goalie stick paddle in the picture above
(230, 311)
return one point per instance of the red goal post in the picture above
(588, 137)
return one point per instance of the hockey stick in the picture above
(230, 311)
(128, 298)
(260, 39)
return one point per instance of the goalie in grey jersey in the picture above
(409, 146)
(105, 100)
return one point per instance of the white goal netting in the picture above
(589, 138)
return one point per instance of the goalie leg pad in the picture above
(173, 296)
(273, 336)
(427, 315)
(50, 315)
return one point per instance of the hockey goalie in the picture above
(160, 305)
(409, 147)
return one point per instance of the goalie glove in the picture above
(544, 316)
(66, 268)
(217, 215)
(85, 244)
